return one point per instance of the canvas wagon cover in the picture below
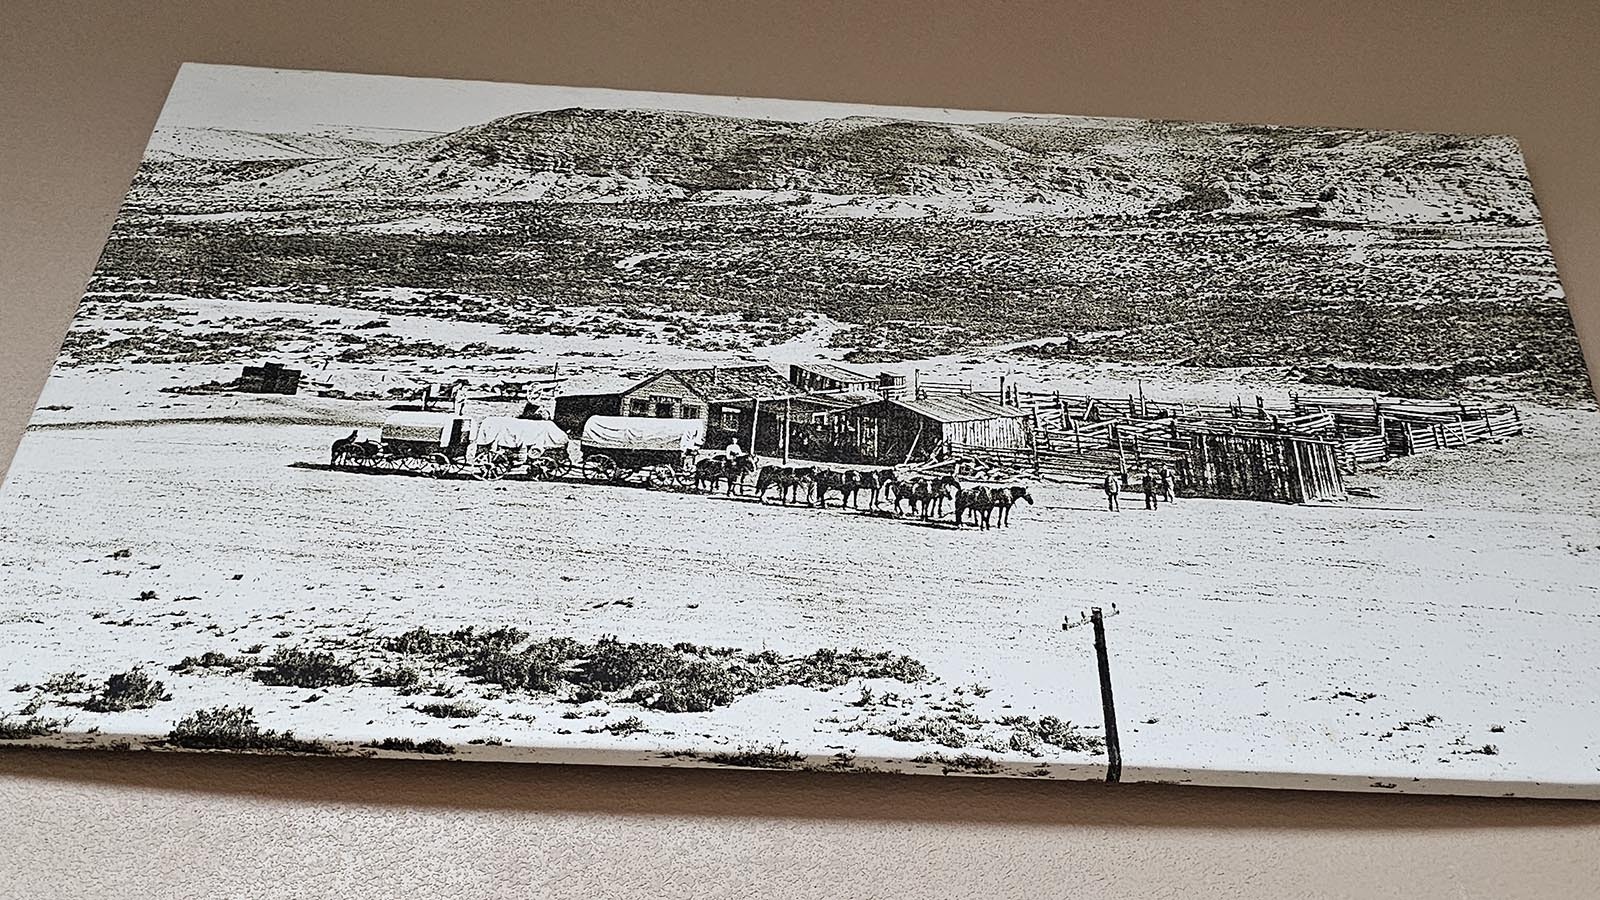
(640, 433)
(507, 433)
(418, 426)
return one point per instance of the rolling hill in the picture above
(1025, 167)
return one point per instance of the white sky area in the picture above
(286, 100)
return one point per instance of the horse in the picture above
(768, 478)
(944, 488)
(1005, 498)
(847, 483)
(876, 482)
(802, 478)
(828, 480)
(979, 502)
(909, 490)
(341, 448)
(789, 480)
(850, 491)
(710, 471)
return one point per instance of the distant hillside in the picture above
(869, 167)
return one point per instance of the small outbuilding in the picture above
(269, 378)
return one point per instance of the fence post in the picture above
(1122, 462)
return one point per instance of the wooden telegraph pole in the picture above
(755, 413)
(1113, 744)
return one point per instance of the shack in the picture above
(269, 378)
(892, 431)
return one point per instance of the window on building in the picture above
(638, 407)
(663, 409)
(689, 411)
(730, 418)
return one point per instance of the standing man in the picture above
(1111, 489)
(1148, 482)
(1165, 481)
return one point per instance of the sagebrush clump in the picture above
(235, 728)
(770, 756)
(294, 667)
(432, 746)
(681, 677)
(14, 729)
(132, 689)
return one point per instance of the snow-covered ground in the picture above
(1364, 644)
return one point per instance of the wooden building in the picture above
(827, 377)
(801, 426)
(269, 378)
(810, 377)
(892, 431)
(715, 395)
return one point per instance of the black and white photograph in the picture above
(409, 417)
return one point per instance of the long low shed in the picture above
(898, 430)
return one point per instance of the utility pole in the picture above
(1113, 743)
(786, 426)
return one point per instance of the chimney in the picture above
(715, 372)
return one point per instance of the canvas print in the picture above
(424, 418)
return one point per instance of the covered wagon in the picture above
(658, 452)
(538, 446)
(443, 444)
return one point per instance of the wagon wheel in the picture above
(602, 468)
(662, 476)
(436, 465)
(544, 468)
(490, 471)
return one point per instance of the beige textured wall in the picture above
(82, 83)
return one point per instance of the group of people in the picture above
(1157, 484)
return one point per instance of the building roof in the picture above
(958, 407)
(836, 373)
(823, 401)
(719, 383)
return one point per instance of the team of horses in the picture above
(926, 497)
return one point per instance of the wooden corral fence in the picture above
(1294, 452)
(1260, 467)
